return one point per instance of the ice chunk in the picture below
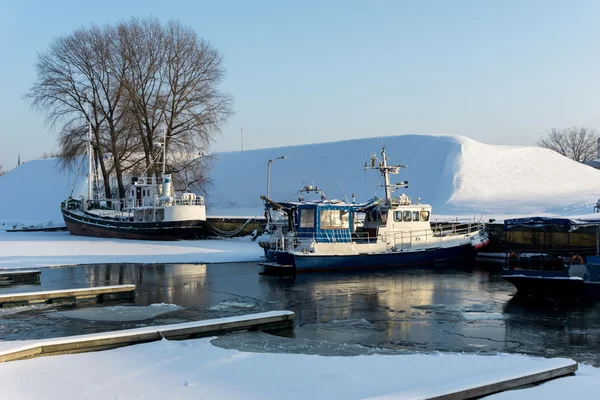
(117, 313)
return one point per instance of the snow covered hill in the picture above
(31, 193)
(455, 174)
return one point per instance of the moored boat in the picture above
(151, 211)
(568, 280)
(390, 232)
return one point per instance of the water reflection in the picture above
(468, 308)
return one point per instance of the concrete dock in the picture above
(266, 321)
(58, 296)
(18, 276)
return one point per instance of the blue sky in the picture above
(501, 72)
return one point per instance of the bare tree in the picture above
(66, 90)
(577, 143)
(133, 83)
(173, 85)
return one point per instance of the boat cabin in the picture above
(330, 222)
(325, 222)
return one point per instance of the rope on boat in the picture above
(221, 232)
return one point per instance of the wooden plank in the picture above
(508, 384)
(65, 293)
(187, 330)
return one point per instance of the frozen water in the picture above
(260, 342)
(226, 305)
(117, 313)
(479, 316)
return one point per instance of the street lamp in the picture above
(269, 174)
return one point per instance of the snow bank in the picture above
(47, 249)
(455, 174)
(194, 369)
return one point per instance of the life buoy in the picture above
(576, 259)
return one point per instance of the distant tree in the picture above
(2, 172)
(577, 143)
(50, 154)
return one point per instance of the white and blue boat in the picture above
(389, 232)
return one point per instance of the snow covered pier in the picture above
(8, 277)
(57, 296)
(265, 321)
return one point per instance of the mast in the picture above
(164, 163)
(386, 170)
(90, 151)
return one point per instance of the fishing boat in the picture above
(390, 232)
(151, 211)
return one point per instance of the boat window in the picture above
(334, 219)
(398, 216)
(307, 218)
(424, 216)
(407, 216)
(416, 216)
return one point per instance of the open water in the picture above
(443, 308)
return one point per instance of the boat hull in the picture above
(311, 262)
(88, 225)
(552, 284)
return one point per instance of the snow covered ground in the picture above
(455, 174)
(23, 250)
(194, 369)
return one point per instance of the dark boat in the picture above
(551, 270)
(573, 280)
(149, 217)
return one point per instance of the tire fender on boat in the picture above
(481, 243)
(576, 259)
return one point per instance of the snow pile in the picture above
(455, 174)
(31, 193)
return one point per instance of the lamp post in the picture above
(269, 174)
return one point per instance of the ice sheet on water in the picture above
(481, 316)
(226, 305)
(476, 308)
(33, 307)
(346, 325)
(117, 313)
(341, 331)
(260, 342)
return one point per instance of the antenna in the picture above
(343, 191)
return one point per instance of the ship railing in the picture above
(407, 239)
(198, 201)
